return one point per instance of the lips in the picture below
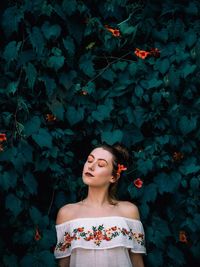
(89, 174)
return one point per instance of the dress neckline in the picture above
(97, 218)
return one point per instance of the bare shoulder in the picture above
(129, 210)
(65, 213)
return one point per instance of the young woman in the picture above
(101, 231)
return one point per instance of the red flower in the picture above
(121, 168)
(1, 148)
(115, 32)
(50, 117)
(37, 235)
(3, 137)
(183, 237)
(177, 156)
(138, 183)
(141, 53)
(155, 52)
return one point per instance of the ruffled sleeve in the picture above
(137, 236)
(63, 245)
(99, 233)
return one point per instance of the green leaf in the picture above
(28, 260)
(10, 260)
(66, 79)
(13, 204)
(32, 126)
(35, 215)
(74, 115)
(69, 45)
(167, 183)
(190, 37)
(11, 19)
(125, 29)
(119, 65)
(49, 84)
(139, 116)
(86, 64)
(51, 31)
(176, 255)
(12, 87)
(8, 180)
(187, 125)
(161, 35)
(43, 138)
(103, 111)
(31, 74)
(57, 109)
(37, 40)
(163, 65)
(133, 67)
(154, 83)
(112, 137)
(189, 168)
(30, 183)
(69, 6)
(150, 193)
(187, 69)
(144, 166)
(11, 50)
(56, 62)
(109, 75)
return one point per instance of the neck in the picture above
(97, 198)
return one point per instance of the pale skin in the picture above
(96, 204)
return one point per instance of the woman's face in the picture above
(98, 168)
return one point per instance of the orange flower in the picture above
(183, 237)
(50, 117)
(115, 32)
(37, 235)
(121, 168)
(84, 92)
(138, 183)
(3, 137)
(141, 53)
(177, 156)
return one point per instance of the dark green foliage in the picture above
(58, 58)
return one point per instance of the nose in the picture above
(91, 166)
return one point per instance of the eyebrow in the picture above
(98, 159)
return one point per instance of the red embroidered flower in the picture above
(141, 53)
(115, 32)
(183, 237)
(1, 148)
(138, 183)
(81, 229)
(3, 137)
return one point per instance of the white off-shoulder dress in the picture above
(100, 241)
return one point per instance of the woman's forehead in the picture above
(99, 152)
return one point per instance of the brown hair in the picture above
(120, 156)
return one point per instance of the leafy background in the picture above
(67, 83)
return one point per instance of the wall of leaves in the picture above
(77, 73)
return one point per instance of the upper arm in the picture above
(64, 214)
(136, 259)
(64, 262)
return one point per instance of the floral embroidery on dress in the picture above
(97, 235)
